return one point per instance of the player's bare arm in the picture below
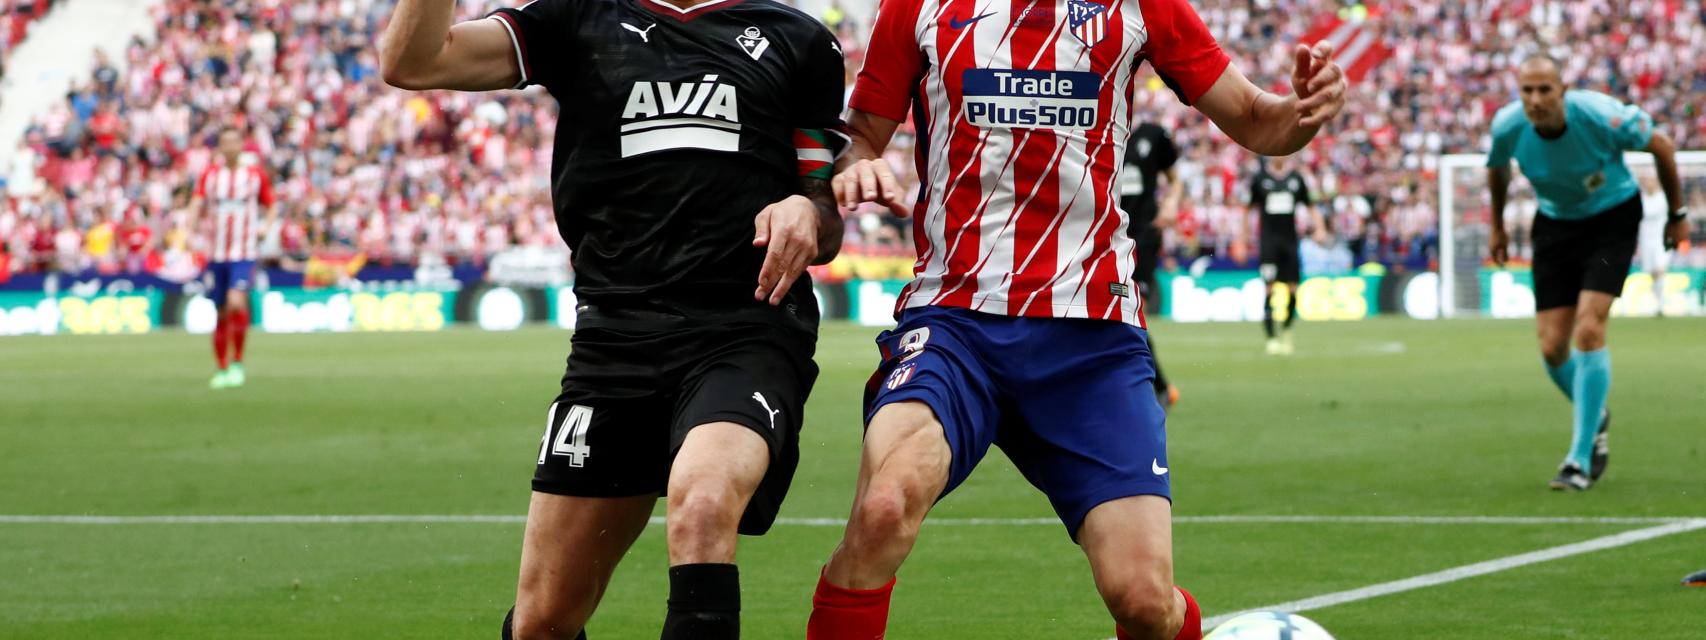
(1274, 125)
(1319, 223)
(1499, 183)
(1664, 160)
(422, 50)
(192, 219)
(1169, 212)
(1317, 219)
(800, 230)
(861, 174)
(831, 226)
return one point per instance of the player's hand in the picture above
(1498, 247)
(1319, 84)
(787, 230)
(870, 181)
(1676, 233)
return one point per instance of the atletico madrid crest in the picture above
(900, 376)
(1089, 21)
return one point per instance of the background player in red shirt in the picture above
(232, 193)
(1022, 328)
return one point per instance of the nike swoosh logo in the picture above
(956, 23)
(1155, 466)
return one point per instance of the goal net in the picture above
(1469, 283)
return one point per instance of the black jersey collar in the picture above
(684, 15)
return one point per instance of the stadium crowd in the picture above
(1449, 72)
(104, 180)
(16, 18)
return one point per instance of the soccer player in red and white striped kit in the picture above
(1023, 327)
(233, 193)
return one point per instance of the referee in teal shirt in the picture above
(1570, 144)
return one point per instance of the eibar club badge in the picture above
(753, 42)
(1089, 21)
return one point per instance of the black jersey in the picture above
(1277, 199)
(1148, 154)
(677, 127)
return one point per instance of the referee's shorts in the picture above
(1591, 254)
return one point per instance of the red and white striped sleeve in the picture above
(1181, 48)
(894, 63)
(201, 183)
(265, 191)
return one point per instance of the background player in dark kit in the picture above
(688, 133)
(1150, 154)
(1277, 194)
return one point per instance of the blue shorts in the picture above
(1072, 402)
(229, 276)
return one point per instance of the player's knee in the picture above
(702, 509)
(1554, 346)
(1589, 335)
(1145, 609)
(883, 517)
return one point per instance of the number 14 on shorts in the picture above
(571, 438)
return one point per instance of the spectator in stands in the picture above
(426, 167)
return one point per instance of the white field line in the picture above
(1664, 527)
(832, 522)
(1474, 570)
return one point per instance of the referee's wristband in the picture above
(1679, 215)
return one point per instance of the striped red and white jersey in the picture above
(1023, 108)
(235, 196)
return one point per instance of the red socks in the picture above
(839, 613)
(238, 331)
(221, 336)
(848, 614)
(1193, 618)
(1193, 621)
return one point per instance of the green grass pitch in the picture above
(1385, 417)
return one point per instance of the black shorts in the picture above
(1590, 254)
(1280, 262)
(634, 387)
(1148, 255)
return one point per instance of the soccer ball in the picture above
(1269, 625)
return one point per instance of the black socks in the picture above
(704, 603)
(1291, 307)
(509, 623)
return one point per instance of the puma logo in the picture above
(644, 36)
(761, 402)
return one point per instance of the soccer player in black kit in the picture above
(1278, 193)
(690, 181)
(1150, 154)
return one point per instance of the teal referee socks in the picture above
(1591, 386)
(1564, 375)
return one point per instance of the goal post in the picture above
(1467, 287)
